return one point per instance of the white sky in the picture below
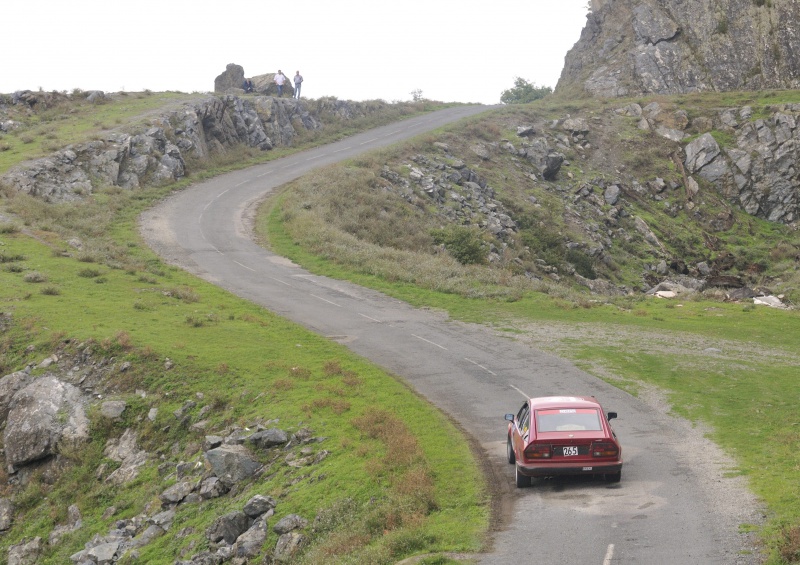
(451, 50)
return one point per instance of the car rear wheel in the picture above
(614, 477)
(521, 480)
(510, 452)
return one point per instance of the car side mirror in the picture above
(612, 415)
(509, 417)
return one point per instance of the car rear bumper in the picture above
(558, 469)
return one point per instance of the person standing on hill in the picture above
(280, 78)
(298, 82)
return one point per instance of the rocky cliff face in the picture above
(635, 47)
(157, 154)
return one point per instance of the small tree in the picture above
(524, 92)
(416, 95)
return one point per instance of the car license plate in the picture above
(570, 450)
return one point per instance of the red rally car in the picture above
(563, 435)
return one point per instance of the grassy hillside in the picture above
(731, 366)
(77, 282)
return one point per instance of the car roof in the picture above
(549, 402)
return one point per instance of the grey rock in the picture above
(289, 523)
(163, 519)
(113, 409)
(25, 552)
(701, 152)
(652, 25)
(233, 77)
(212, 442)
(150, 533)
(6, 514)
(9, 386)
(611, 194)
(231, 463)
(575, 125)
(126, 451)
(228, 527)
(259, 505)
(250, 543)
(43, 415)
(104, 553)
(288, 545)
(176, 492)
(212, 487)
(268, 438)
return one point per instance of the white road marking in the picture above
(368, 318)
(345, 149)
(609, 554)
(519, 391)
(481, 366)
(370, 140)
(317, 157)
(280, 281)
(325, 300)
(245, 266)
(429, 341)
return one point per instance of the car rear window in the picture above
(568, 420)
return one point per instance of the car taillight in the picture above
(535, 451)
(604, 449)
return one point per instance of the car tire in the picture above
(521, 480)
(614, 477)
(510, 453)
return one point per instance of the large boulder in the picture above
(42, 416)
(233, 77)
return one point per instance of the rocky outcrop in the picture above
(634, 47)
(158, 153)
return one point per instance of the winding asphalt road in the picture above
(663, 511)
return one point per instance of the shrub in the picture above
(790, 547)
(582, 263)
(88, 273)
(35, 277)
(463, 243)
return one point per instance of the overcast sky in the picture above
(464, 51)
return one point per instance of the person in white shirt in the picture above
(280, 78)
